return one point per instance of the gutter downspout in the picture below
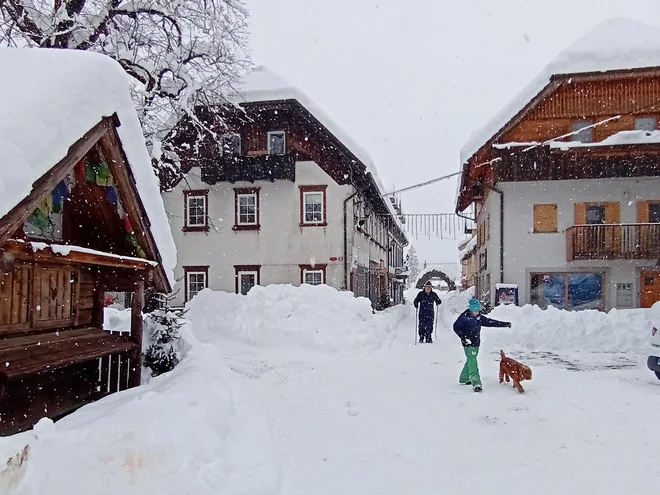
(501, 193)
(346, 282)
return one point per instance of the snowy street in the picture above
(396, 421)
(264, 403)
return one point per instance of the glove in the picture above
(508, 324)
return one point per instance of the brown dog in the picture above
(513, 370)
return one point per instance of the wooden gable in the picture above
(89, 199)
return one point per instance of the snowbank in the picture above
(50, 99)
(187, 431)
(310, 317)
(116, 320)
(583, 331)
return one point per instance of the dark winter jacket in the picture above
(425, 301)
(468, 327)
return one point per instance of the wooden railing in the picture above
(638, 241)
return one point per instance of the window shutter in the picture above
(613, 213)
(642, 211)
(545, 218)
(580, 210)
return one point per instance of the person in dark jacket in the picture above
(424, 303)
(468, 327)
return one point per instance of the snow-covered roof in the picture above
(614, 44)
(621, 138)
(467, 249)
(262, 84)
(50, 99)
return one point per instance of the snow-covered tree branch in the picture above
(180, 53)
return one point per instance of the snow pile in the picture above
(116, 320)
(614, 44)
(186, 431)
(50, 99)
(310, 317)
(559, 330)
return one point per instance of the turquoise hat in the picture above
(474, 305)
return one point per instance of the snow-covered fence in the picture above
(114, 369)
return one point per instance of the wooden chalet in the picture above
(566, 179)
(81, 231)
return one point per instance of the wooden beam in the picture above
(25, 253)
(11, 222)
(137, 214)
(136, 335)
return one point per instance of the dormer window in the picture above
(648, 124)
(584, 133)
(276, 143)
(231, 144)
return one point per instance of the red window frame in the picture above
(245, 268)
(316, 268)
(195, 269)
(196, 228)
(247, 190)
(308, 189)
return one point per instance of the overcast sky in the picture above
(411, 79)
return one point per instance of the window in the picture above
(312, 274)
(595, 214)
(312, 206)
(654, 213)
(247, 276)
(231, 144)
(246, 208)
(196, 280)
(646, 124)
(586, 133)
(196, 209)
(572, 291)
(545, 218)
(276, 143)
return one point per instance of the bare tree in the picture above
(180, 53)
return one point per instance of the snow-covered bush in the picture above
(161, 331)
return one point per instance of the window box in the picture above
(313, 206)
(246, 208)
(196, 211)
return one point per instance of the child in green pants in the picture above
(468, 327)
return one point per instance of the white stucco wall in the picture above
(280, 246)
(527, 252)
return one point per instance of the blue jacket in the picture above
(468, 327)
(424, 302)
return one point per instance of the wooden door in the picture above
(650, 288)
(53, 296)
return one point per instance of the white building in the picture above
(566, 179)
(288, 198)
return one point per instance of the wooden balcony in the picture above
(637, 241)
(250, 168)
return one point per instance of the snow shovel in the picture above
(435, 324)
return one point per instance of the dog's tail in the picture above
(502, 354)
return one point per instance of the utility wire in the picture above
(535, 145)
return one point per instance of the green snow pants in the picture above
(470, 371)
